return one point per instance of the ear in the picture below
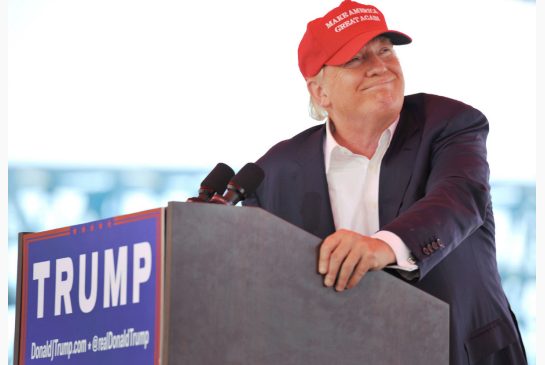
(318, 92)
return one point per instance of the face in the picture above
(371, 84)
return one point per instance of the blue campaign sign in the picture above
(92, 293)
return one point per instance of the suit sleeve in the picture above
(456, 195)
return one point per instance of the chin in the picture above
(389, 100)
(388, 106)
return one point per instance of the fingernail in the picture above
(322, 269)
(328, 282)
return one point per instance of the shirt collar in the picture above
(330, 144)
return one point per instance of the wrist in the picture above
(384, 254)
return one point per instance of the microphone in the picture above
(244, 183)
(215, 182)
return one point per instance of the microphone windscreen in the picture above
(218, 178)
(248, 178)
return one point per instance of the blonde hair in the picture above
(316, 111)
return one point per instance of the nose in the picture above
(376, 65)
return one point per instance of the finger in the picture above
(336, 259)
(347, 269)
(327, 247)
(359, 272)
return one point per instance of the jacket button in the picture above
(426, 251)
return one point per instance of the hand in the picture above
(346, 256)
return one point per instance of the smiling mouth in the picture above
(384, 83)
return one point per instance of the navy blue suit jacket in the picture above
(434, 194)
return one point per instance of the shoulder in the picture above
(290, 149)
(436, 107)
(433, 111)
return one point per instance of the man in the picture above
(393, 182)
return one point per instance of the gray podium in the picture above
(242, 287)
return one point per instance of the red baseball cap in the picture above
(337, 36)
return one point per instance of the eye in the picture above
(386, 50)
(355, 61)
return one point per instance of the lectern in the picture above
(240, 286)
(244, 289)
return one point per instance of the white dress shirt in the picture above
(353, 182)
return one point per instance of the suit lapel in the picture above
(397, 165)
(315, 208)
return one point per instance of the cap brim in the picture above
(348, 51)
